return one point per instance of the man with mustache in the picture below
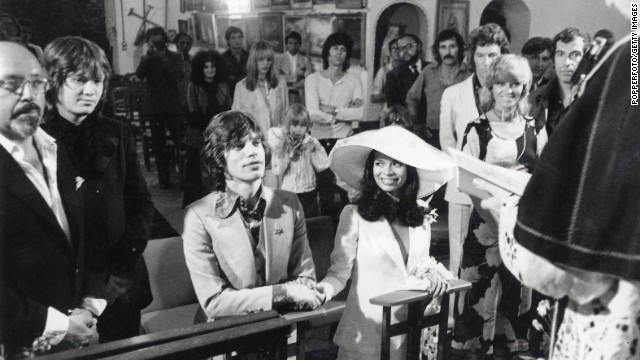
(449, 69)
(41, 226)
(549, 101)
(118, 207)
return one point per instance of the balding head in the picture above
(21, 104)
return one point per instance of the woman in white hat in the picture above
(383, 238)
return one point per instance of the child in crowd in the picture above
(297, 156)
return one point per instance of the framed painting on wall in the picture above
(320, 27)
(355, 26)
(301, 4)
(204, 29)
(183, 27)
(261, 5)
(271, 30)
(454, 15)
(297, 23)
(349, 4)
(323, 2)
(250, 26)
(214, 6)
(279, 4)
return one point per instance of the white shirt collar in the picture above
(40, 137)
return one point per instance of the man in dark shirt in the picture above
(118, 207)
(235, 57)
(162, 70)
(549, 102)
(538, 52)
(400, 79)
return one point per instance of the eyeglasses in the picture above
(407, 47)
(16, 86)
(393, 50)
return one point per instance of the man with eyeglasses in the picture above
(400, 79)
(41, 222)
(377, 93)
(549, 102)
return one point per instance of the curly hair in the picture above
(334, 39)
(225, 131)
(375, 203)
(485, 35)
(444, 35)
(70, 55)
(200, 59)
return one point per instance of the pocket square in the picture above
(79, 181)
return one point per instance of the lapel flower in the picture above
(430, 216)
(79, 181)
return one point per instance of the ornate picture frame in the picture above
(454, 14)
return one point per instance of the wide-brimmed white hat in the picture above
(349, 156)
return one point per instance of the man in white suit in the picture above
(294, 67)
(460, 104)
(246, 244)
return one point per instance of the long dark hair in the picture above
(198, 63)
(375, 203)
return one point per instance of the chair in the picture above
(321, 235)
(174, 299)
(416, 302)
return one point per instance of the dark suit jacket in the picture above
(39, 267)
(398, 83)
(162, 72)
(118, 206)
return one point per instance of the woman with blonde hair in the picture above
(493, 316)
(262, 93)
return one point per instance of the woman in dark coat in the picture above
(207, 96)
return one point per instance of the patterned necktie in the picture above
(252, 216)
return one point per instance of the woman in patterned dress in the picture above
(492, 317)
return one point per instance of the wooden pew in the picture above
(416, 320)
(196, 341)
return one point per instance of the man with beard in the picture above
(400, 79)
(549, 102)
(448, 50)
(41, 242)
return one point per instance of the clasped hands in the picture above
(305, 293)
(83, 329)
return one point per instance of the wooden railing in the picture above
(265, 331)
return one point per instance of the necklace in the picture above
(511, 113)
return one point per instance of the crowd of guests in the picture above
(269, 141)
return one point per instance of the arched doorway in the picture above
(411, 17)
(514, 17)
